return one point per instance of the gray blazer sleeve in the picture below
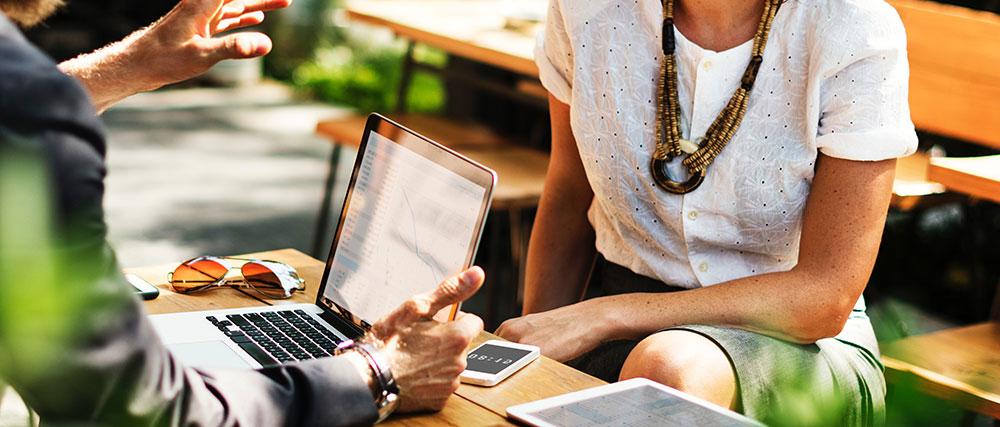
(93, 356)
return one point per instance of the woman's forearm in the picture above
(560, 256)
(561, 250)
(796, 305)
(842, 228)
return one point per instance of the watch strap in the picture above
(387, 397)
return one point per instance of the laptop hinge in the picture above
(351, 330)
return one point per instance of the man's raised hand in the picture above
(182, 44)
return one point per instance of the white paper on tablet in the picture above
(637, 402)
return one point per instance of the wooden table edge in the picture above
(949, 173)
(457, 47)
(299, 260)
(941, 386)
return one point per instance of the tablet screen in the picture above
(639, 406)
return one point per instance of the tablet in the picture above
(636, 402)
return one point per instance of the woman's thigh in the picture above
(686, 361)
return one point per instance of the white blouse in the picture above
(833, 80)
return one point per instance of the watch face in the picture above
(492, 359)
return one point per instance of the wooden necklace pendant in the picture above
(701, 152)
(661, 176)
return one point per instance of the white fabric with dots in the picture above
(833, 80)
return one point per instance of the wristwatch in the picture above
(387, 396)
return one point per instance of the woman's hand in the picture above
(564, 333)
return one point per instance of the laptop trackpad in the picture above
(207, 354)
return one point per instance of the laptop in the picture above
(412, 217)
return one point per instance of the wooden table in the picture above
(978, 177)
(473, 29)
(975, 176)
(961, 365)
(480, 406)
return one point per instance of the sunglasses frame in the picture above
(233, 282)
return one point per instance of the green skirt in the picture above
(835, 381)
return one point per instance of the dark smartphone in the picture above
(145, 289)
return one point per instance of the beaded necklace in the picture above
(702, 151)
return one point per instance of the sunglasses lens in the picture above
(197, 274)
(271, 279)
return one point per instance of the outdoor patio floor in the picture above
(214, 171)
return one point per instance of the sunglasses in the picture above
(271, 279)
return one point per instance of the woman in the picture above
(731, 257)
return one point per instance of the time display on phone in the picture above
(491, 359)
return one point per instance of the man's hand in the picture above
(180, 45)
(427, 356)
(183, 42)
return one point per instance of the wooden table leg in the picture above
(995, 311)
(517, 250)
(323, 219)
(403, 90)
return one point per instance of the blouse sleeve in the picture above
(864, 110)
(554, 55)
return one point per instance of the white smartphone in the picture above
(494, 360)
(145, 289)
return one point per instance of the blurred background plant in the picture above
(365, 74)
(326, 59)
(47, 294)
(29, 286)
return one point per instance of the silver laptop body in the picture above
(347, 300)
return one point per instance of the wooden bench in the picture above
(521, 170)
(954, 58)
(348, 129)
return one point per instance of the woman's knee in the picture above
(686, 361)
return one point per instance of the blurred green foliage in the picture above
(37, 312)
(794, 398)
(346, 64)
(296, 32)
(367, 77)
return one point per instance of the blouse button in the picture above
(693, 215)
(703, 267)
(707, 65)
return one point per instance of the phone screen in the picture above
(491, 359)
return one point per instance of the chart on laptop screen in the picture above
(409, 225)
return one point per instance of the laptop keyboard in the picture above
(278, 337)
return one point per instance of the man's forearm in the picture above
(109, 74)
(182, 44)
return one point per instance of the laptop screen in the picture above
(412, 217)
